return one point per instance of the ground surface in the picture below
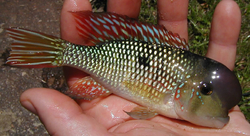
(39, 15)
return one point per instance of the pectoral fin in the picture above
(87, 88)
(141, 113)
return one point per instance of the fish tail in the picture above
(35, 50)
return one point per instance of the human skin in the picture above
(61, 115)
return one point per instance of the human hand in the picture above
(104, 116)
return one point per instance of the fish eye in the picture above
(206, 88)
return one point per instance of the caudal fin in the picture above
(34, 50)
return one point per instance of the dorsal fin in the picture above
(99, 27)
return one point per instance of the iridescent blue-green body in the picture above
(157, 76)
(157, 73)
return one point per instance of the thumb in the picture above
(60, 114)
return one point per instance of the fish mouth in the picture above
(210, 121)
(222, 122)
(217, 122)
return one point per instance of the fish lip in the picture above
(218, 122)
(211, 121)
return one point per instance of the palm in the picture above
(109, 113)
(104, 116)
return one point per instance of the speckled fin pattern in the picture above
(100, 27)
(87, 88)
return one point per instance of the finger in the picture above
(224, 33)
(60, 114)
(68, 24)
(173, 15)
(237, 122)
(130, 8)
(70, 33)
(72, 75)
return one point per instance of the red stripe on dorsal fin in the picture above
(100, 27)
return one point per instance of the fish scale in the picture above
(143, 63)
(149, 73)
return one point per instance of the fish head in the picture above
(207, 96)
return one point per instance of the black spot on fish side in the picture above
(144, 61)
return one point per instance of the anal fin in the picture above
(141, 113)
(87, 88)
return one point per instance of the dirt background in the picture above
(38, 15)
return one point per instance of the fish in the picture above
(143, 63)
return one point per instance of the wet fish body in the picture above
(168, 80)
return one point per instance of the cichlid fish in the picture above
(140, 62)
